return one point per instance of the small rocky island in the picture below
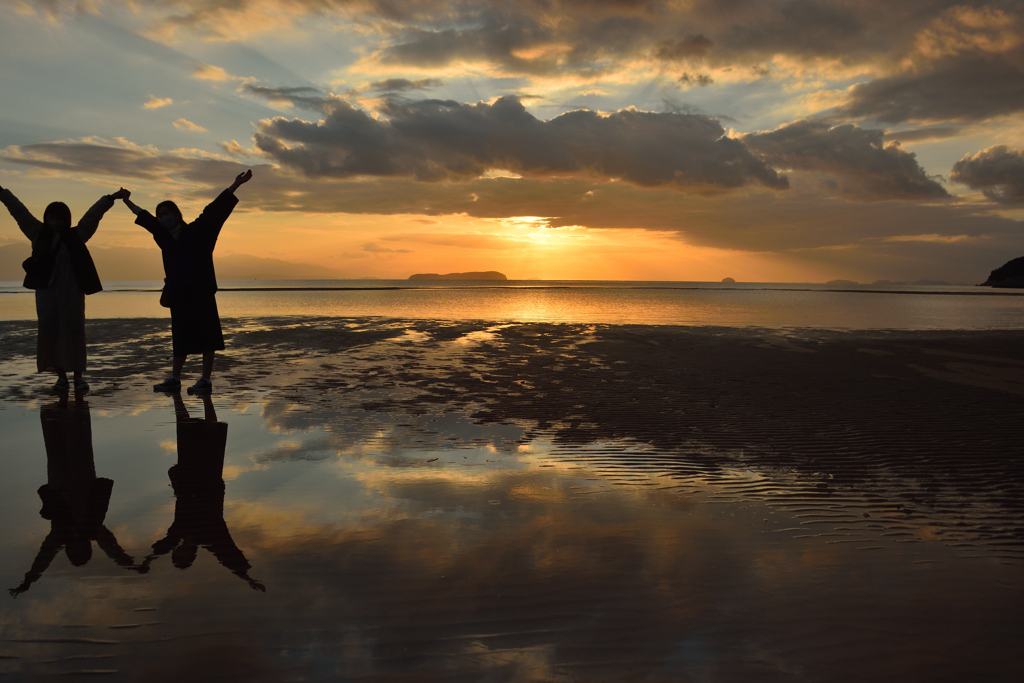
(485, 275)
(1010, 274)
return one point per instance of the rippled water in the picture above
(647, 303)
(376, 500)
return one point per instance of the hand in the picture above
(241, 178)
(121, 194)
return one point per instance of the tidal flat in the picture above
(383, 499)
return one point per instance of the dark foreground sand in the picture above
(865, 438)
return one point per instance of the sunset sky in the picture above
(763, 140)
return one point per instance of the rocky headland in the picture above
(1010, 274)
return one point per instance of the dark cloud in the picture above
(687, 48)
(961, 89)
(864, 165)
(997, 171)
(113, 160)
(695, 79)
(127, 163)
(396, 85)
(436, 140)
(305, 97)
(796, 27)
(896, 238)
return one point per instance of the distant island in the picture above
(728, 280)
(485, 275)
(1010, 275)
(889, 283)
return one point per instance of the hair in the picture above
(79, 551)
(59, 212)
(169, 205)
(184, 555)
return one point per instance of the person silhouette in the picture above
(198, 483)
(74, 499)
(61, 272)
(190, 282)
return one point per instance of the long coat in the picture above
(188, 260)
(60, 306)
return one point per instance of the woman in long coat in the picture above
(62, 274)
(190, 283)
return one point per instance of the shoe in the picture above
(170, 384)
(61, 385)
(81, 386)
(203, 386)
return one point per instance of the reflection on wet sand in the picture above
(198, 485)
(464, 501)
(74, 499)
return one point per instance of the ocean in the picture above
(771, 305)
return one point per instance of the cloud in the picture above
(208, 72)
(373, 248)
(122, 159)
(435, 140)
(973, 89)
(695, 79)
(459, 240)
(301, 96)
(185, 124)
(967, 64)
(997, 171)
(866, 166)
(688, 48)
(802, 222)
(155, 102)
(397, 85)
(234, 148)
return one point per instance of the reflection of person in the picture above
(62, 273)
(74, 499)
(198, 485)
(190, 283)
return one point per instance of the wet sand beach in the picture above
(429, 500)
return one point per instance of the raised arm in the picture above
(144, 218)
(51, 546)
(28, 223)
(241, 179)
(91, 220)
(216, 212)
(129, 203)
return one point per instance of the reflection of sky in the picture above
(402, 543)
(907, 307)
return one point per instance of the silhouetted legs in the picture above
(179, 363)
